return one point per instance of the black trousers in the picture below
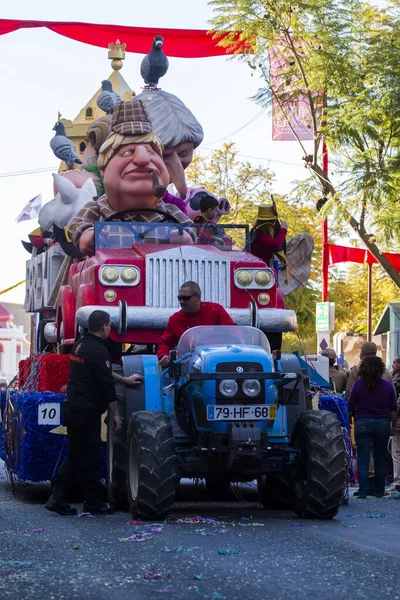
(83, 456)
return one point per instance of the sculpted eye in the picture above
(128, 152)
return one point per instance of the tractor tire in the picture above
(151, 465)
(319, 483)
(275, 491)
(218, 488)
(116, 466)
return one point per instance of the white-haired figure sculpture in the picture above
(177, 128)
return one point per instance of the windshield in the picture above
(221, 334)
(125, 235)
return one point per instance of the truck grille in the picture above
(166, 271)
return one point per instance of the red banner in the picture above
(338, 254)
(183, 43)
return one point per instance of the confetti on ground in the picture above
(198, 577)
(137, 537)
(293, 524)
(195, 520)
(134, 522)
(252, 524)
(85, 514)
(227, 551)
(181, 549)
(32, 531)
(76, 547)
(151, 575)
(155, 529)
(376, 515)
(8, 567)
(212, 596)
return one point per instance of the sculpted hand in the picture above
(86, 242)
(165, 361)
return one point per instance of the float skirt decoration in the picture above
(43, 373)
(33, 441)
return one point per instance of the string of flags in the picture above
(31, 210)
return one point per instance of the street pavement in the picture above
(233, 550)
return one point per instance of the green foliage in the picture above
(343, 57)
(246, 186)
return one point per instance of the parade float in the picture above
(134, 271)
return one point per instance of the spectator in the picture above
(193, 312)
(367, 349)
(338, 377)
(372, 404)
(396, 432)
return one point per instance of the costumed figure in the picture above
(268, 235)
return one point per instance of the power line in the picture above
(31, 172)
(281, 162)
(237, 130)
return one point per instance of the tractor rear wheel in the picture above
(319, 482)
(275, 491)
(151, 468)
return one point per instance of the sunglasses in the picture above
(186, 298)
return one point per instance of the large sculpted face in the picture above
(128, 177)
(177, 159)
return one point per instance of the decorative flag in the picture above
(31, 210)
(298, 113)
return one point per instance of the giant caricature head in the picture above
(177, 128)
(130, 160)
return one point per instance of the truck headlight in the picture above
(228, 388)
(251, 387)
(262, 278)
(119, 275)
(129, 275)
(244, 278)
(110, 274)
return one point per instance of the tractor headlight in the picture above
(251, 387)
(110, 275)
(244, 278)
(228, 388)
(262, 278)
(129, 275)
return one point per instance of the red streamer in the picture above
(183, 43)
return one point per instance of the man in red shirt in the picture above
(193, 312)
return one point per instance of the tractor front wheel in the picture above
(151, 467)
(319, 482)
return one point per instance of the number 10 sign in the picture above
(49, 413)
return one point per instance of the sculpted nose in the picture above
(141, 156)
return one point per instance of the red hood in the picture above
(124, 255)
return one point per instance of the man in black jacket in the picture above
(90, 392)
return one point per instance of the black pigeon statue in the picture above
(62, 146)
(108, 98)
(155, 63)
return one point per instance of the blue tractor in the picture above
(227, 410)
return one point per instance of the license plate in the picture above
(235, 412)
